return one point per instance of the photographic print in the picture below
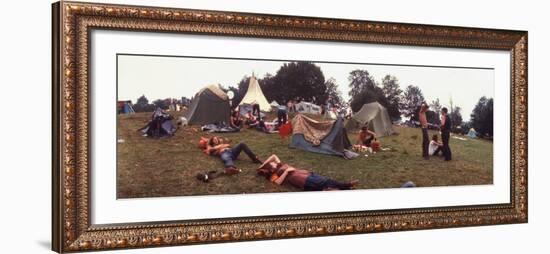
(192, 125)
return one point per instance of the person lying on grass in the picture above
(229, 154)
(275, 171)
(267, 127)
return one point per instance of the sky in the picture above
(159, 77)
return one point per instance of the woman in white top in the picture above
(435, 146)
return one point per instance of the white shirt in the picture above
(432, 147)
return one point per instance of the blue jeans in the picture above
(230, 155)
(316, 182)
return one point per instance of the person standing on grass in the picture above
(446, 133)
(256, 109)
(228, 154)
(290, 105)
(424, 126)
(282, 115)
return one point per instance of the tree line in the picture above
(305, 81)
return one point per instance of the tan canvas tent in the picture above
(210, 105)
(375, 117)
(254, 95)
(324, 137)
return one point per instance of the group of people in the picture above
(434, 147)
(431, 147)
(273, 169)
(254, 119)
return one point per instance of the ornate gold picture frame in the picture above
(72, 229)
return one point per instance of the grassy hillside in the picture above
(149, 167)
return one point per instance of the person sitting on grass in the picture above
(251, 120)
(366, 137)
(235, 120)
(277, 172)
(228, 154)
(435, 146)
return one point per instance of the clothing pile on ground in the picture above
(219, 128)
(160, 125)
(268, 127)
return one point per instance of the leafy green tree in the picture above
(392, 94)
(456, 119)
(160, 104)
(364, 90)
(142, 105)
(267, 83)
(366, 96)
(412, 99)
(482, 116)
(359, 82)
(143, 101)
(296, 80)
(333, 94)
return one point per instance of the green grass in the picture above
(167, 167)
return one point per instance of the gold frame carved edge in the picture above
(71, 227)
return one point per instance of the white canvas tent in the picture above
(375, 117)
(274, 104)
(307, 107)
(254, 95)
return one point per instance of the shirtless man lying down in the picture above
(276, 171)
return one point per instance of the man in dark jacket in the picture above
(446, 133)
